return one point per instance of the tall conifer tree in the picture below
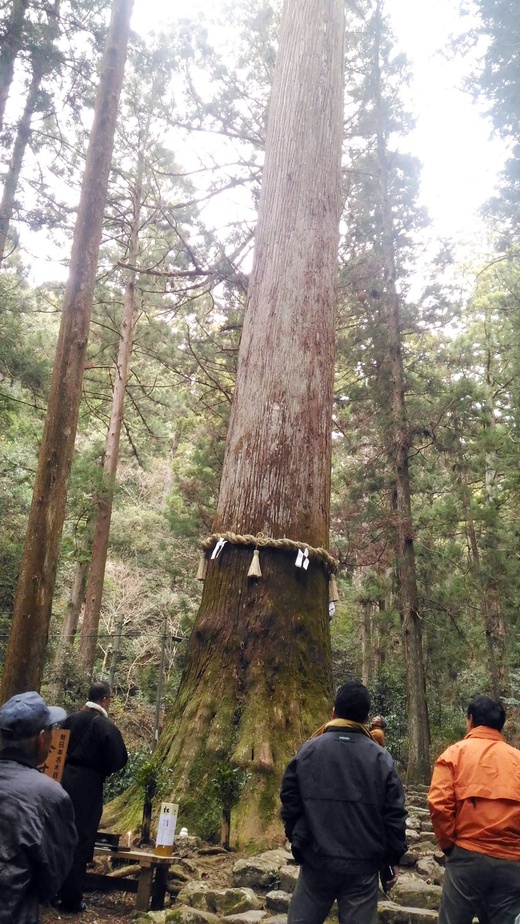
(32, 610)
(258, 672)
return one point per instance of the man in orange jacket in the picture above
(474, 802)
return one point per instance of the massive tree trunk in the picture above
(32, 609)
(258, 669)
(398, 441)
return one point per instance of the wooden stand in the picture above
(151, 884)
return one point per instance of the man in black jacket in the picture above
(96, 749)
(344, 814)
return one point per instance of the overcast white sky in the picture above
(451, 139)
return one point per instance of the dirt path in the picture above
(119, 907)
(102, 908)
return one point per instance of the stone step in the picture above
(390, 913)
(412, 891)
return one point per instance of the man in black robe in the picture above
(96, 749)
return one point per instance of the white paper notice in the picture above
(167, 822)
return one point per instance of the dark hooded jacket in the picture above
(37, 837)
(96, 749)
(343, 804)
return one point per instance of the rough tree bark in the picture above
(258, 670)
(32, 609)
(418, 769)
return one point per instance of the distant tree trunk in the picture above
(64, 664)
(258, 670)
(76, 601)
(40, 64)
(13, 172)
(116, 648)
(10, 45)
(487, 580)
(63, 657)
(380, 645)
(493, 573)
(366, 641)
(94, 591)
(104, 502)
(32, 609)
(225, 828)
(419, 767)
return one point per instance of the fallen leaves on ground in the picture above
(102, 908)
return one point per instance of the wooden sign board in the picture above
(55, 761)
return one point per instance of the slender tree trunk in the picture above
(495, 619)
(76, 601)
(116, 649)
(32, 609)
(225, 828)
(63, 657)
(96, 578)
(392, 366)
(379, 645)
(495, 634)
(366, 642)
(40, 64)
(9, 47)
(94, 591)
(13, 173)
(258, 670)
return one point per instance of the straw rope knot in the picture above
(260, 541)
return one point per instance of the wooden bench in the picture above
(151, 884)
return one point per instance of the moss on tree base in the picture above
(258, 682)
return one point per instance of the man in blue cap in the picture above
(37, 833)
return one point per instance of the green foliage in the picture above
(70, 683)
(146, 776)
(388, 695)
(227, 784)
